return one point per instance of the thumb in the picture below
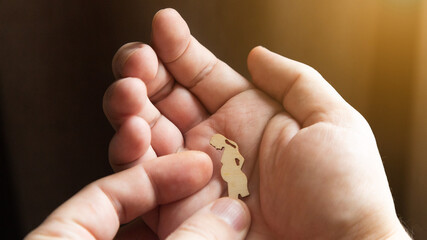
(225, 218)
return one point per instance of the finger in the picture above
(212, 81)
(131, 144)
(98, 210)
(182, 108)
(139, 60)
(128, 97)
(225, 218)
(123, 99)
(172, 215)
(302, 90)
(136, 230)
(175, 102)
(126, 63)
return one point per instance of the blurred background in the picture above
(55, 64)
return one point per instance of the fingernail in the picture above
(231, 211)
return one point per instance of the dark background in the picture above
(56, 64)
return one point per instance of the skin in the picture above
(313, 167)
(97, 211)
(312, 163)
(231, 170)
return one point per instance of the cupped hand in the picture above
(312, 164)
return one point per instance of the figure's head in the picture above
(218, 141)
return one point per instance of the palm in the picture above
(277, 153)
(242, 119)
(282, 127)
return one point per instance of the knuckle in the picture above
(309, 71)
(195, 231)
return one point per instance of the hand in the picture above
(97, 211)
(313, 167)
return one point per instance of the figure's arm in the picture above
(231, 143)
(241, 159)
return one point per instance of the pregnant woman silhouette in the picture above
(231, 170)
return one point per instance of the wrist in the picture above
(399, 233)
(386, 227)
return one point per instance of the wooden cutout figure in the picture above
(231, 170)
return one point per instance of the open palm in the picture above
(311, 160)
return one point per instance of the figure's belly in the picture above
(228, 174)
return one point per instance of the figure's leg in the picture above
(245, 191)
(232, 191)
(243, 188)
